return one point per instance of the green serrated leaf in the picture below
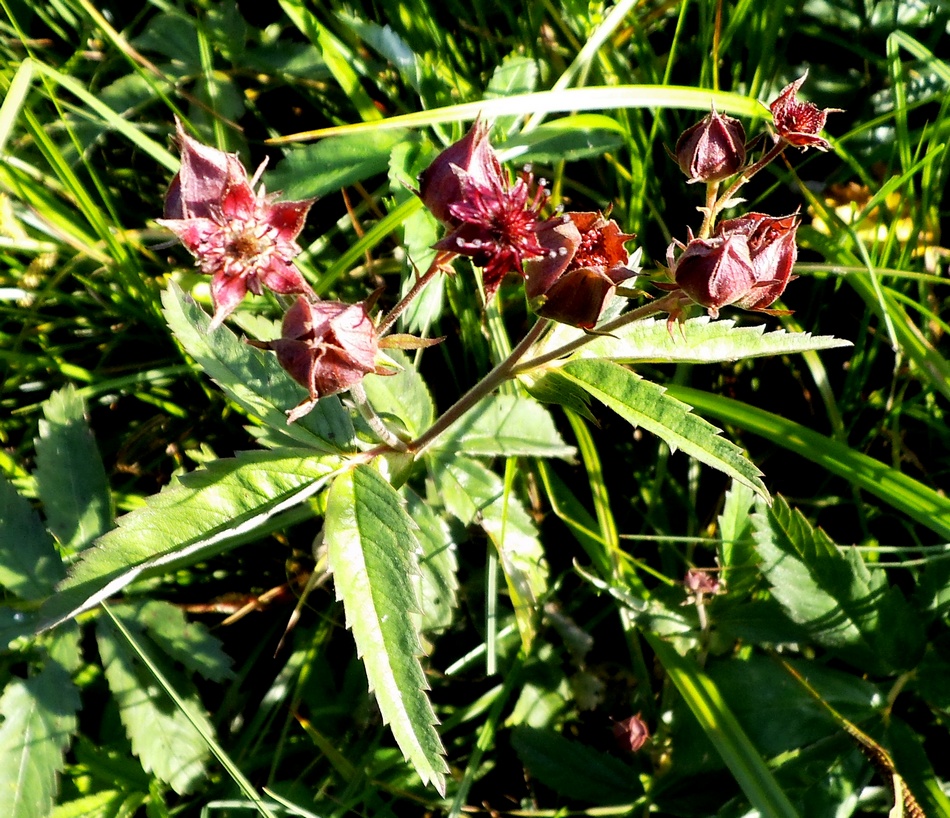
(39, 718)
(552, 387)
(835, 597)
(464, 486)
(515, 537)
(573, 769)
(198, 515)
(645, 404)
(737, 554)
(326, 166)
(372, 552)
(253, 379)
(438, 564)
(70, 478)
(29, 563)
(186, 642)
(702, 340)
(404, 396)
(506, 426)
(162, 737)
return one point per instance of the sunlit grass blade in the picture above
(727, 736)
(200, 724)
(928, 507)
(548, 102)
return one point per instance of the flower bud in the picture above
(631, 734)
(714, 272)
(773, 251)
(584, 262)
(471, 158)
(327, 347)
(713, 149)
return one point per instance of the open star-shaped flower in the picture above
(492, 220)
(799, 122)
(243, 239)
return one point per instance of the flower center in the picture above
(591, 253)
(240, 248)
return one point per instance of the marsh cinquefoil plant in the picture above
(383, 482)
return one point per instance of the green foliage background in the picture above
(552, 545)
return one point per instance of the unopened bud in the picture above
(713, 149)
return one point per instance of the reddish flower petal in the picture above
(238, 201)
(715, 272)
(283, 278)
(471, 157)
(288, 217)
(585, 259)
(799, 122)
(227, 292)
(193, 233)
(205, 171)
(578, 297)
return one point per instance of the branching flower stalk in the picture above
(442, 258)
(502, 372)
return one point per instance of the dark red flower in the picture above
(773, 251)
(497, 226)
(712, 149)
(631, 734)
(799, 122)
(491, 219)
(714, 272)
(584, 261)
(472, 157)
(242, 239)
(747, 263)
(327, 347)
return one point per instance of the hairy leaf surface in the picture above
(645, 404)
(438, 564)
(506, 426)
(70, 477)
(574, 769)
(373, 553)
(39, 719)
(701, 341)
(29, 563)
(162, 737)
(404, 395)
(196, 516)
(189, 643)
(835, 597)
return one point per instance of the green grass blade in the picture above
(549, 102)
(724, 731)
(199, 723)
(647, 405)
(14, 99)
(918, 501)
